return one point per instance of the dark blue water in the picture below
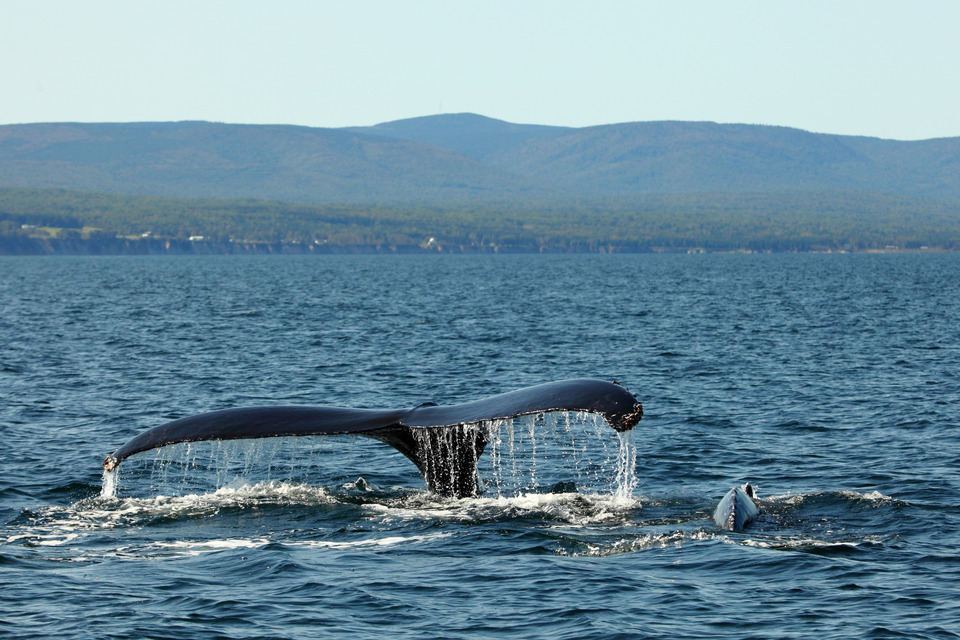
(832, 382)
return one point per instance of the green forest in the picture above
(60, 221)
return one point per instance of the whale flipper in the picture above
(445, 430)
(737, 509)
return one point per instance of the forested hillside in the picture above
(684, 157)
(212, 160)
(57, 221)
(464, 158)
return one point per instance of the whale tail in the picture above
(737, 509)
(444, 442)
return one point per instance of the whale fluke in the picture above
(737, 509)
(448, 431)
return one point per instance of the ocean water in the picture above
(832, 382)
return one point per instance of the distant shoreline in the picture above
(51, 221)
(30, 246)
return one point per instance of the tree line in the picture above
(805, 221)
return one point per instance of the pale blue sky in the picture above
(878, 68)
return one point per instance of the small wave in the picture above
(870, 496)
(573, 508)
(217, 545)
(622, 545)
(811, 545)
(194, 548)
(840, 496)
(196, 504)
(386, 541)
(58, 526)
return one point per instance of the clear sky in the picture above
(878, 68)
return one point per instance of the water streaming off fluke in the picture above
(109, 482)
(547, 452)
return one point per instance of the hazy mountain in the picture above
(463, 157)
(479, 137)
(202, 159)
(685, 157)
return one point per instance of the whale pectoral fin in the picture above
(447, 457)
(736, 510)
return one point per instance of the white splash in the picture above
(108, 486)
(626, 479)
(576, 509)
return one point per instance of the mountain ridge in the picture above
(203, 159)
(446, 159)
(682, 157)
